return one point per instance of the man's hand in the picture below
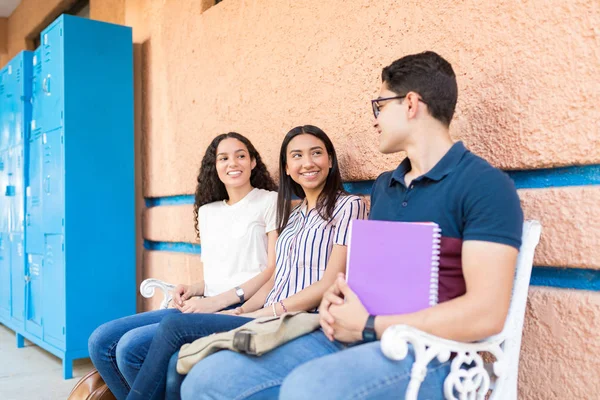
(343, 320)
(181, 293)
(331, 296)
(205, 305)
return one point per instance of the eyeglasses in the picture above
(377, 107)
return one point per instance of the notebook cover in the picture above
(393, 266)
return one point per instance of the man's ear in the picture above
(412, 103)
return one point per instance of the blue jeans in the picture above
(174, 331)
(118, 348)
(310, 367)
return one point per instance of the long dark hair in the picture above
(210, 188)
(287, 187)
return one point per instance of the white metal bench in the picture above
(473, 382)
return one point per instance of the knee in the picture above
(173, 377)
(171, 323)
(202, 380)
(303, 383)
(126, 348)
(103, 340)
(191, 388)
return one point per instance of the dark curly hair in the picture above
(211, 189)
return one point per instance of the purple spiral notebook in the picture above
(393, 267)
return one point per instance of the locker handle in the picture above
(46, 84)
(47, 179)
(28, 219)
(27, 278)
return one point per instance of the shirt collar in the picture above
(446, 165)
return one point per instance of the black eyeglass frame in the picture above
(377, 109)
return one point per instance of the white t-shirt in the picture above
(234, 239)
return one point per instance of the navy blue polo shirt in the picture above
(467, 197)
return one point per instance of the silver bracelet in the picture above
(274, 310)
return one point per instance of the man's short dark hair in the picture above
(429, 75)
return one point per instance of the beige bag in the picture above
(255, 337)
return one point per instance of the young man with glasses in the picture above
(479, 213)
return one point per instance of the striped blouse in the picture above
(305, 244)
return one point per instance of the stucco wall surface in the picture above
(561, 343)
(28, 19)
(570, 237)
(571, 225)
(3, 40)
(169, 267)
(525, 70)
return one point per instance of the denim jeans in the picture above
(310, 367)
(118, 348)
(174, 331)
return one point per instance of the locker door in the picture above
(54, 291)
(16, 99)
(8, 107)
(5, 281)
(17, 257)
(53, 182)
(34, 240)
(52, 77)
(34, 295)
(4, 201)
(14, 191)
(37, 96)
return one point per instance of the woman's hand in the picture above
(181, 293)
(263, 312)
(234, 311)
(203, 305)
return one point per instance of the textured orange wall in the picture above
(527, 74)
(561, 343)
(112, 11)
(3, 37)
(29, 19)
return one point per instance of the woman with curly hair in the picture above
(235, 213)
(310, 251)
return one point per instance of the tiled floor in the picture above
(32, 373)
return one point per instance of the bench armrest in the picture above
(468, 375)
(148, 286)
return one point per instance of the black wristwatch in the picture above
(369, 334)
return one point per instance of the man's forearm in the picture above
(460, 319)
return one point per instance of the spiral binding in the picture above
(435, 266)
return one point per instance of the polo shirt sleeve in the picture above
(354, 208)
(271, 212)
(492, 209)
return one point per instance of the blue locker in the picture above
(33, 297)
(52, 182)
(34, 240)
(54, 282)
(14, 190)
(77, 150)
(17, 255)
(37, 96)
(53, 75)
(4, 200)
(5, 278)
(8, 106)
